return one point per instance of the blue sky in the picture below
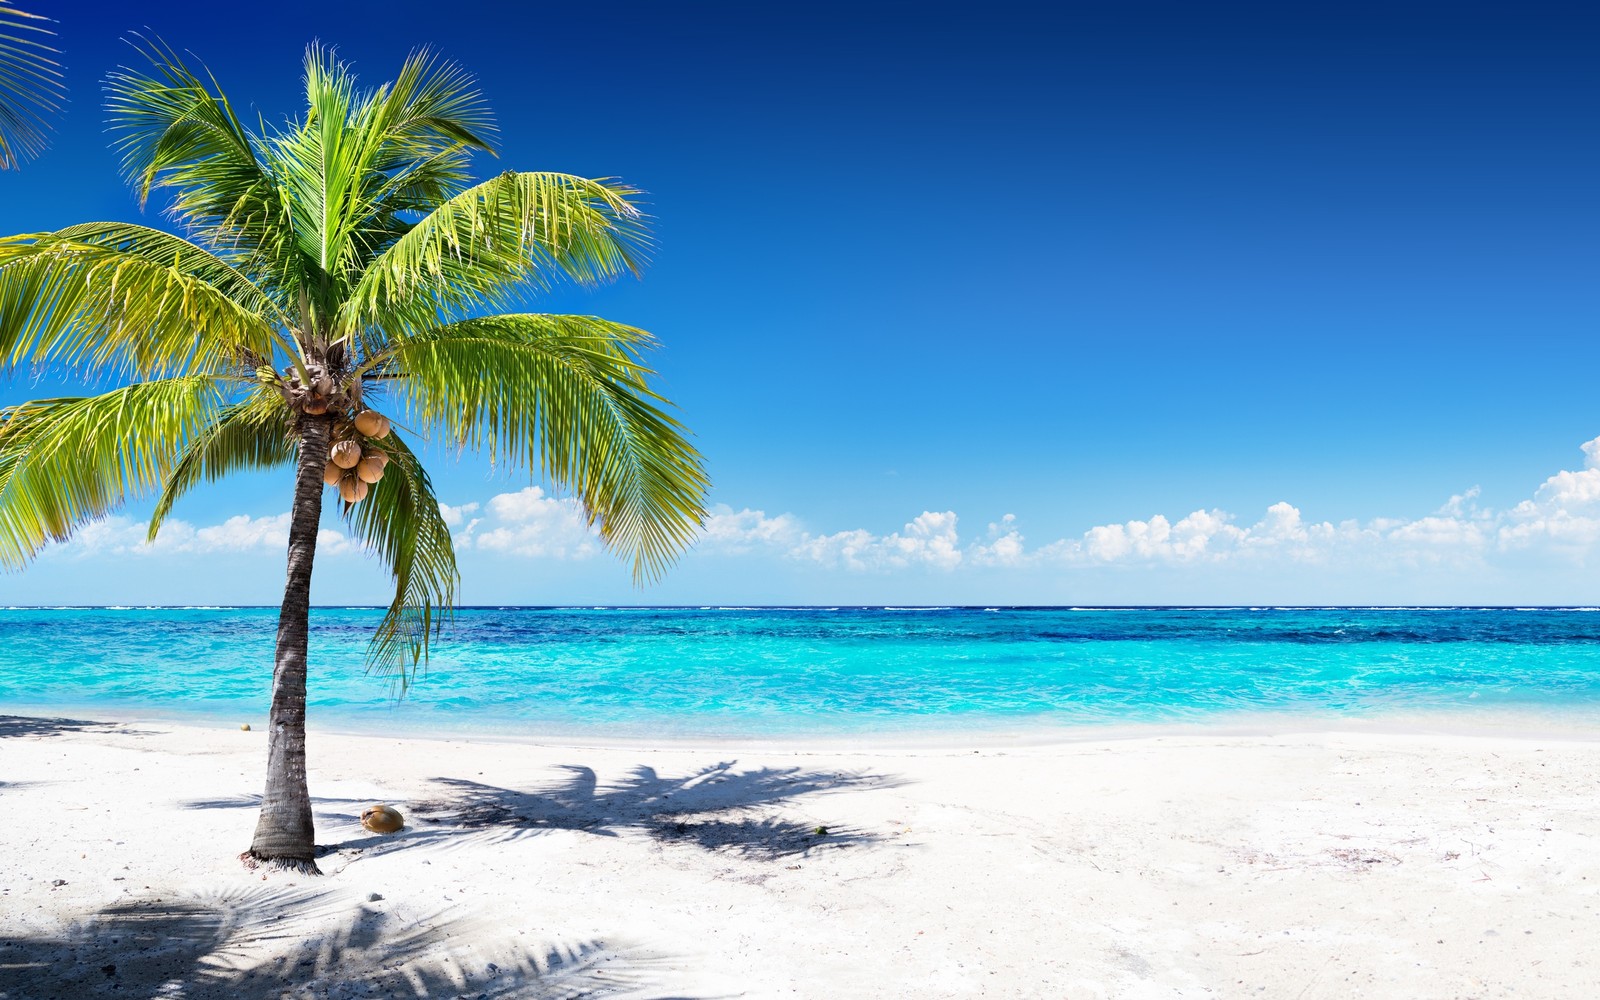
(1219, 303)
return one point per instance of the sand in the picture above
(1177, 864)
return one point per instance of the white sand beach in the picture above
(1298, 865)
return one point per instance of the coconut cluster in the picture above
(354, 463)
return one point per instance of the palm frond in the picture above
(324, 157)
(108, 307)
(514, 231)
(251, 435)
(176, 130)
(184, 256)
(570, 394)
(419, 134)
(65, 462)
(360, 161)
(432, 106)
(401, 522)
(30, 85)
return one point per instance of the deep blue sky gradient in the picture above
(1080, 263)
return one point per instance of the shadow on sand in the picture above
(273, 942)
(14, 726)
(717, 807)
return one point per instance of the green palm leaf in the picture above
(173, 130)
(183, 256)
(432, 106)
(30, 85)
(248, 436)
(65, 462)
(401, 522)
(569, 394)
(103, 306)
(486, 244)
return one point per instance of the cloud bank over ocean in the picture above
(1561, 520)
(1556, 529)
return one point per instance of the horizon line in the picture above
(826, 607)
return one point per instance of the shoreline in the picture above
(1312, 864)
(1479, 724)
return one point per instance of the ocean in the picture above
(786, 673)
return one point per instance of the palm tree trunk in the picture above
(284, 832)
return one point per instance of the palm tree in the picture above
(339, 262)
(30, 85)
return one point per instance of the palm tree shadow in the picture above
(24, 726)
(266, 942)
(717, 807)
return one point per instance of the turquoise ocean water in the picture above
(771, 672)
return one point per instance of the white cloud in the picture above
(1571, 489)
(1199, 535)
(929, 540)
(242, 532)
(1556, 521)
(531, 523)
(1462, 504)
(456, 517)
(117, 535)
(1459, 533)
(1531, 524)
(1004, 547)
(731, 531)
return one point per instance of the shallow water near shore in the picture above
(754, 673)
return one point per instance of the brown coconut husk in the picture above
(345, 454)
(352, 489)
(382, 819)
(369, 470)
(315, 405)
(372, 423)
(331, 474)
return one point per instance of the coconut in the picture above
(372, 423)
(345, 454)
(315, 405)
(369, 470)
(352, 489)
(375, 455)
(331, 474)
(382, 819)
